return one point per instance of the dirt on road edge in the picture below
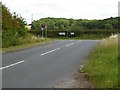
(79, 80)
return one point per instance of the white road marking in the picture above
(11, 65)
(69, 44)
(50, 51)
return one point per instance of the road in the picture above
(44, 66)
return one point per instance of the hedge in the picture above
(79, 33)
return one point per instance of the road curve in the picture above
(44, 66)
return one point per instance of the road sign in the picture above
(46, 26)
(42, 29)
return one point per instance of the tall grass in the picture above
(28, 41)
(14, 40)
(102, 64)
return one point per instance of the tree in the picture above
(80, 24)
(6, 19)
(13, 28)
(108, 26)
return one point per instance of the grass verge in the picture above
(27, 45)
(102, 64)
(76, 38)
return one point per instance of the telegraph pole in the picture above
(31, 18)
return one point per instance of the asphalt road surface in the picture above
(44, 66)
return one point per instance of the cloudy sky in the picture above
(77, 9)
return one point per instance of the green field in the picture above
(102, 64)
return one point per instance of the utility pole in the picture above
(31, 18)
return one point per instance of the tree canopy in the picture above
(76, 24)
(11, 21)
(13, 27)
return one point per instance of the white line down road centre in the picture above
(50, 51)
(12, 65)
(70, 44)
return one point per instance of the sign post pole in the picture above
(42, 31)
(46, 31)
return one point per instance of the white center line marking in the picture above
(50, 51)
(69, 44)
(11, 65)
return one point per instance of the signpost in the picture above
(46, 31)
(42, 28)
(42, 31)
(67, 33)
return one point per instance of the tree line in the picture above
(76, 24)
(81, 27)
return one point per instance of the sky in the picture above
(76, 9)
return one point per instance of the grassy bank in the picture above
(27, 42)
(76, 38)
(84, 37)
(102, 64)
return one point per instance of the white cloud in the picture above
(87, 9)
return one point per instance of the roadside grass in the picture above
(27, 42)
(102, 64)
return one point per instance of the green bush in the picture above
(8, 39)
(12, 38)
(22, 32)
